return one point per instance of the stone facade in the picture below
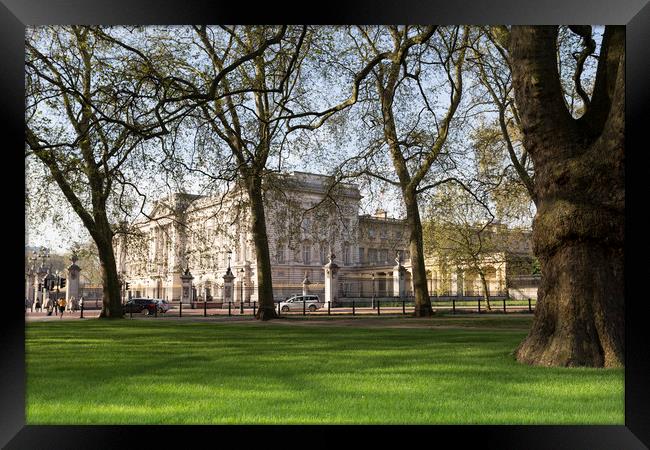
(307, 221)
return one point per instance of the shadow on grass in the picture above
(149, 372)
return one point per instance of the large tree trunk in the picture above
(578, 231)
(112, 302)
(416, 247)
(266, 309)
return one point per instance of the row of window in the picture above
(306, 256)
(384, 232)
(381, 255)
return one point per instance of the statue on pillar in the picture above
(331, 280)
(305, 284)
(73, 286)
(399, 283)
(228, 285)
(186, 282)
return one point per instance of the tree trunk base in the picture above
(579, 314)
(423, 311)
(266, 313)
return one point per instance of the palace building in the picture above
(308, 220)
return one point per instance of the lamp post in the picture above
(229, 271)
(241, 292)
(373, 290)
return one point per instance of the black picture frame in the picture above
(635, 14)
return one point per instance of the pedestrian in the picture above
(62, 304)
(37, 306)
(49, 307)
(81, 301)
(26, 304)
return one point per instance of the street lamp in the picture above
(241, 292)
(229, 256)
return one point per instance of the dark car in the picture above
(144, 306)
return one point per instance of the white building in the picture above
(306, 219)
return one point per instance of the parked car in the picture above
(295, 303)
(163, 305)
(144, 306)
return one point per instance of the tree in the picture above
(412, 139)
(492, 69)
(578, 231)
(245, 120)
(462, 232)
(89, 106)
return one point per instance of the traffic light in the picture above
(62, 282)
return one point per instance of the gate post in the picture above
(331, 279)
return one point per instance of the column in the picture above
(186, 286)
(72, 288)
(454, 283)
(399, 284)
(331, 280)
(29, 294)
(305, 285)
(228, 286)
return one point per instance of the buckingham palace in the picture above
(308, 220)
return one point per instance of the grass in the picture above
(183, 372)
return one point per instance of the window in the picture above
(383, 255)
(362, 258)
(281, 254)
(372, 255)
(371, 232)
(383, 233)
(346, 255)
(306, 253)
(323, 252)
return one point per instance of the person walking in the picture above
(62, 304)
(37, 306)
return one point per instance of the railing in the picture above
(342, 307)
(354, 307)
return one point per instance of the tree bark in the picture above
(416, 246)
(266, 310)
(486, 292)
(111, 302)
(578, 231)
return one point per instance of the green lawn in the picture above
(174, 372)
